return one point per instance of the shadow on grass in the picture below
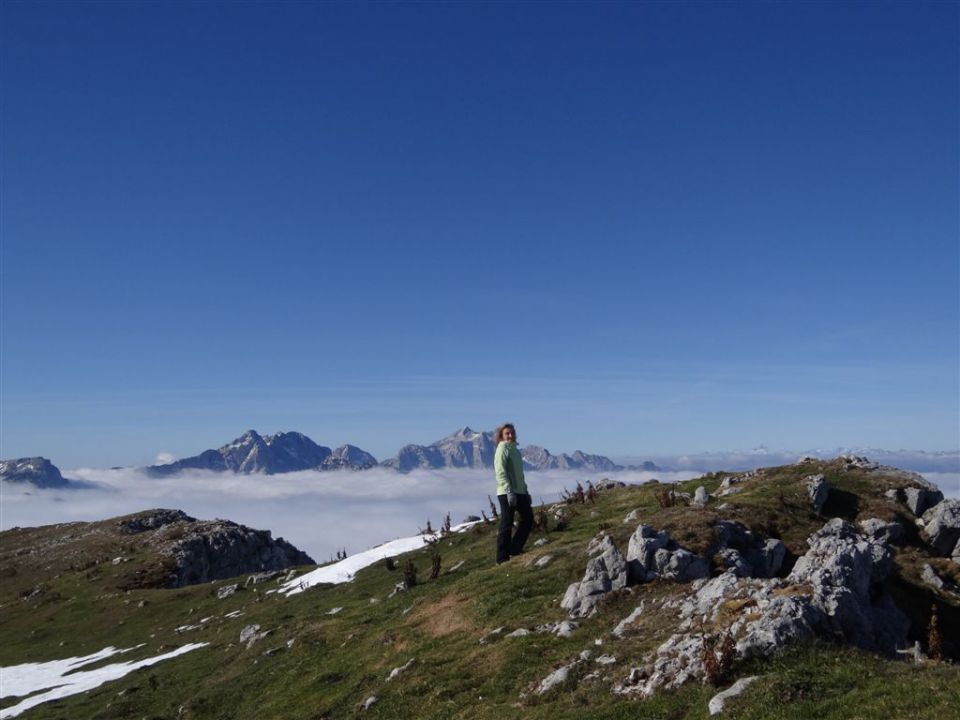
(841, 503)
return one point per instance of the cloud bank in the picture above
(322, 512)
(319, 512)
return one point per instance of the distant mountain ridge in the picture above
(270, 455)
(292, 451)
(468, 448)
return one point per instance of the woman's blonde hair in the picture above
(498, 433)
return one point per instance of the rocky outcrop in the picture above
(152, 520)
(652, 554)
(36, 471)
(835, 590)
(746, 553)
(201, 551)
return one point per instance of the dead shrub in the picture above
(934, 638)
(435, 567)
(718, 654)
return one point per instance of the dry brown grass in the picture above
(445, 616)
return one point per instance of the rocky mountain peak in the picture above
(37, 471)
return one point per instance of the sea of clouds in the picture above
(323, 512)
(319, 512)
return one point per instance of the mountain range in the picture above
(285, 452)
(293, 451)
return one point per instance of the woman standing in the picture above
(511, 492)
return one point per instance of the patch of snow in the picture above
(344, 570)
(60, 678)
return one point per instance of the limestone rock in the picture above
(226, 591)
(818, 489)
(652, 554)
(621, 629)
(554, 679)
(398, 671)
(941, 525)
(876, 529)
(919, 500)
(700, 496)
(835, 590)
(606, 571)
(543, 561)
(715, 706)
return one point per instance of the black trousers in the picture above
(507, 545)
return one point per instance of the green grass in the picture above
(336, 661)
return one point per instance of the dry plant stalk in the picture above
(934, 639)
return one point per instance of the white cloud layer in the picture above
(319, 512)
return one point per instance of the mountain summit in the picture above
(270, 454)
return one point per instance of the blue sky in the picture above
(641, 228)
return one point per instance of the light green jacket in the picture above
(508, 465)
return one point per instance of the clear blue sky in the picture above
(631, 228)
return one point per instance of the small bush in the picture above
(435, 567)
(410, 574)
(390, 564)
(541, 520)
(665, 498)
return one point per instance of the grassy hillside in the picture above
(63, 596)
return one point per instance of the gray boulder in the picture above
(881, 530)
(919, 500)
(941, 525)
(700, 496)
(746, 553)
(817, 489)
(845, 570)
(606, 571)
(767, 558)
(652, 554)
(717, 702)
